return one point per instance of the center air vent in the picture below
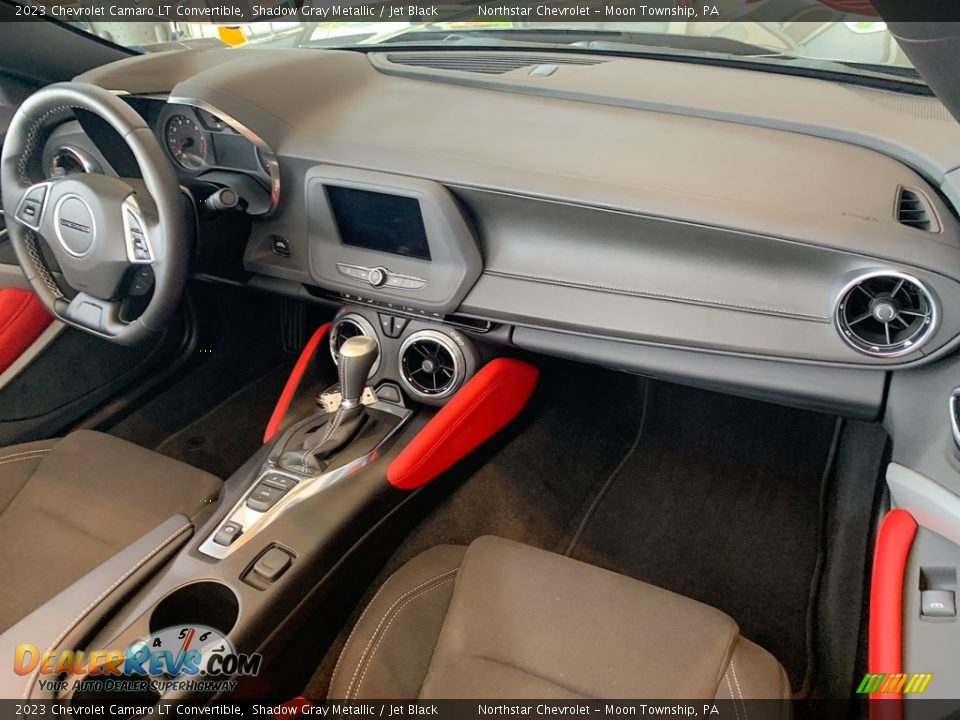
(485, 63)
(347, 326)
(913, 210)
(431, 364)
(885, 314)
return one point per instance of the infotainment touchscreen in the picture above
(379, 221)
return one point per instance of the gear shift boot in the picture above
(309, 455)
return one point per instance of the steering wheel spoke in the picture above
(33, 205)
(101, 317)
(137, 232)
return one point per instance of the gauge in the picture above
(186, 142)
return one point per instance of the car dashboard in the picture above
(783, 237)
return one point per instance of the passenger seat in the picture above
(503, 620)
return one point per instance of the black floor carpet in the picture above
(227, 436)
(708, 495)
(720, 501)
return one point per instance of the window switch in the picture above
(938, 604)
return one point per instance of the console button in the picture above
(264, 497)
(280, 481)
(377, 277)
(272, 564)
(389, 392)
(228, 533)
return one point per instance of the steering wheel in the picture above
(114, 239)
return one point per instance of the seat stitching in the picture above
(384, 618)
(100, 598)
(346, 645)
(25, 452)
(394, 617)
(736, 710)
(733, 670)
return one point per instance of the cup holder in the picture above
(201, 603)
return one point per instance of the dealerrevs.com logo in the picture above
(186, 657)
(905, 683)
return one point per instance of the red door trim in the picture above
(290, 389)
(483, 406)
(22, 320)
(894, 538)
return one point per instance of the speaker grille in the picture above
(885, 314)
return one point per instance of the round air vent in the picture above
(432, 365)
(885, 314)
(347, 326)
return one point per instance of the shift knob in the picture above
(357, 356)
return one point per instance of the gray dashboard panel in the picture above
(855, 393)
(678, 170)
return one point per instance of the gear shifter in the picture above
(357, 356)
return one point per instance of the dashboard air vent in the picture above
(484, 63)
(885, 314)
(431, 364)
(347, 326)
(913, 210)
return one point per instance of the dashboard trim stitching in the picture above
(653, 295)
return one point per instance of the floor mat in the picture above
(719, 501)
(227, 436)
(708, 495)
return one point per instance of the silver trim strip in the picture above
(267, 153)
(253, 522)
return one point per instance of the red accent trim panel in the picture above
(886, 595)
(290, 389)
(484, 405)
(22, 320)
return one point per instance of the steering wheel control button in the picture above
(377, 277)
(31, 206)
(138, 245)
(227, 534)
(141, 282)
(264, 496)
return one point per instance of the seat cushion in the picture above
(67, 505)
(505, 620)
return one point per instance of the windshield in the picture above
(862, 47)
